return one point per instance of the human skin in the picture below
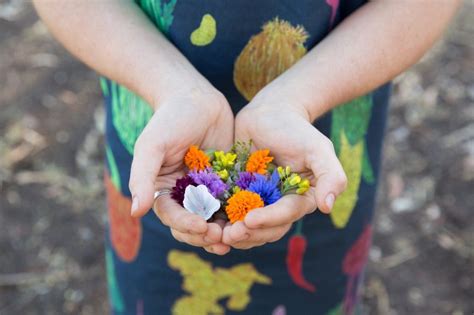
(369, 48)
(116, 39)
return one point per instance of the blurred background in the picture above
(52, 207)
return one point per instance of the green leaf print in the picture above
(130, 114)
(353, 119)
(104, 86)
(113, 169)
(336, 311)
(160, 12)
(367, 172)
(114, 293)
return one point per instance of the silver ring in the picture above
(162, 192)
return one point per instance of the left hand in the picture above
(282, 126)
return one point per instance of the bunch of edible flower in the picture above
(230, 184)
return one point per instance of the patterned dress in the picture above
(317, 268)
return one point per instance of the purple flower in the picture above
(267, 188)
(177, 192)
(244, 180)
(211, 180)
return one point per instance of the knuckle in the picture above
(176, 235)
(141, 141)
(163, 218)
(328, 143)
(295, 215)
(132, 183)
(190, 223)
(148, 141)
(341, 181)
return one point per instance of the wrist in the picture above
(277, 98)
(183, 84)
(292, 91)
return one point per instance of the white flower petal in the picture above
(198, 200)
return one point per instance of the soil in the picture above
(52, 208)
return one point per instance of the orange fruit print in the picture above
(125, 231)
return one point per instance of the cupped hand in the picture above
(190, 117)
(284, 128)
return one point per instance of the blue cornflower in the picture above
(267, 188)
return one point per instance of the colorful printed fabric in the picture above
(318, 267)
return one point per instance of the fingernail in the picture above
(134, 204)
(330, 201)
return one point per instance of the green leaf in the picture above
(130, 114)
(104, 86)
(115, 297)
(160, 12)
(367, 171)
(336, 311)
(113, 169)
(354, 118)
(336, 129)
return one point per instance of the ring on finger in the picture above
(161, 192)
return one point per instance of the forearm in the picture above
(371, 47)
(116, 39)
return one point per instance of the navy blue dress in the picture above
(317, 268)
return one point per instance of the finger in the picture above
(234, 233)
(247, 245)
(288, 209)
(210, 241)
(218, 249)
(176, 217)
(260, 237)
(331, 178)
(191, 239)
(146, 164)
(214, 233)
(238, 233)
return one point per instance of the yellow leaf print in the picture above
(351, 160)
(206, 285)
(267, 55)
(206, 32)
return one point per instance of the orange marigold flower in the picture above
(196, 159)
(258, 161)
(241, 203)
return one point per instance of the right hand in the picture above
(198, 116)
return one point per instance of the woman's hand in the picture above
(284, 128)
(198, 116)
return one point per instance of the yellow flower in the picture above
(225, 160)
(281, 172)
(242, 203)
(295, 179)
(224, 174)
(303, 187)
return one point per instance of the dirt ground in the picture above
(52, 208)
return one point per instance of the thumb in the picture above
(330, 176)
(146, 164)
